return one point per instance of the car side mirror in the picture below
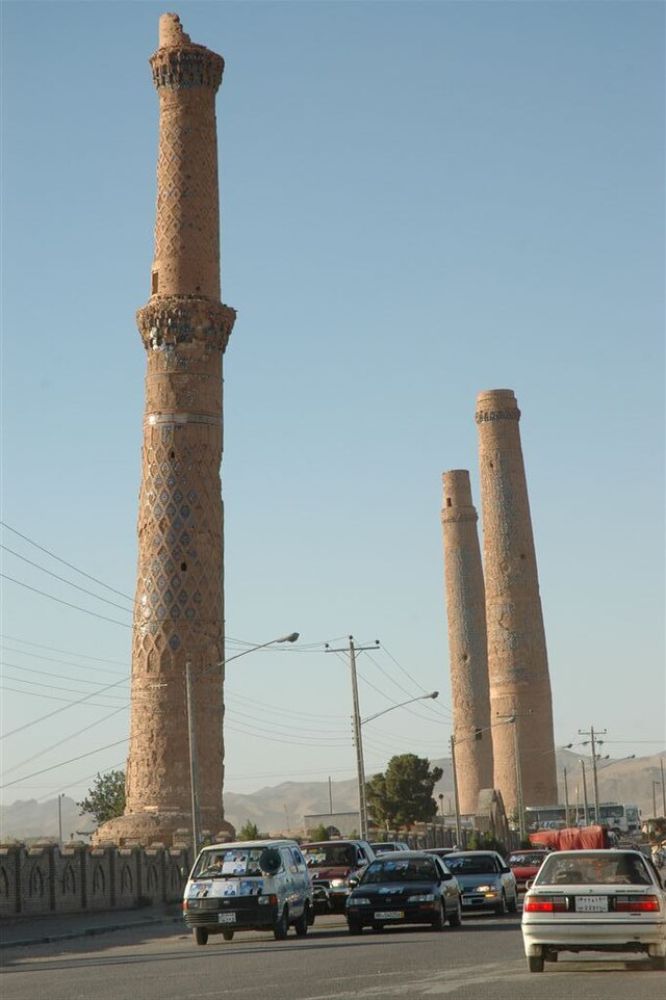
(446, 877)
(353, 881)
(505, 870)
(529, 883)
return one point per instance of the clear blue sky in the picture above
(419, 201)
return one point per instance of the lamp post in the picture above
(191, 728)
(513, 720)
(361, 773)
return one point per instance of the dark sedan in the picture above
(407, 887)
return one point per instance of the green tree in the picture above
(106, 796)
(249, 831)
(320, 832)
(402, 795)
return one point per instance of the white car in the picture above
(609, 901)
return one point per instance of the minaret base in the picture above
(146, 828)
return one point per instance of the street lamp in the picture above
(359, 749)
(420, 697)
(191, 734)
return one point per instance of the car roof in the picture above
(244, 845)
(408, 855)
(325, 843)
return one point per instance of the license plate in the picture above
(470, 902)
(226, 918)
(389, 915)
(591, 904)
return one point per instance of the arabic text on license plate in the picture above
(226, 918)
(591, 904)
(389, 915)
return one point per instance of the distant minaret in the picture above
(466, 613)
(517, 660)
(179, 596)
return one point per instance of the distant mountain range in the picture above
(281, 808)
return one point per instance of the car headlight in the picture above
(422, 897)
(338, 883)
(484, 888)
(358, 901)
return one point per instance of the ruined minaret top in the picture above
(187, 227)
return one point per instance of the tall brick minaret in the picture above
(517, 660)
(468, 659)
(179, 596)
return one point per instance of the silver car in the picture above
(486, 881)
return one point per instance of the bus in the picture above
(614, 815)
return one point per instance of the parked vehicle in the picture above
(441, 852)
(386, 846)
(525, 864)
(600, 900)
(250, 885)
(486, 881)
(330, 864)
(404, 887)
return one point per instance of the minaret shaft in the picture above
(517, 658)
(466, 616)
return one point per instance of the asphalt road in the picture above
(483, 958)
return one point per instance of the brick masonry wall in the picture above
(78, 878)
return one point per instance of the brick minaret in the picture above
(179, 595)
(517, 661)
(466, 613)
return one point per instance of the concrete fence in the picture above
(45, 878)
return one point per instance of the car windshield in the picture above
(228, 863)
(393, 870)
(519, 860)
(475, 864)
(614, 868)
(329, 855)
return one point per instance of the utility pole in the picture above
(593, 747)
(587, 817)
(455, 791)
(330, 796)
(358, 741)
(60, 798)
(566, 798)
(191, 736)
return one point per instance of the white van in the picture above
(249, 886)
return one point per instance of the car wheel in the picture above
(658, 963)
(281, 926)
(200, 935)
(355, 927)
(228, 935)
(439, 922)
(455, 918)
(500, 909)
(535, 963)
(301, 925)
(512, 906)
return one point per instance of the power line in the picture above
(53, 649)
(64, 663)
(56, 711)
(40, 753)
(48, 673)
(65, 563)
(67, 604)
(72, 760)
(63, 579)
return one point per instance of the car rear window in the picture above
(479, 864)
(594, 869)
(519, 860)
